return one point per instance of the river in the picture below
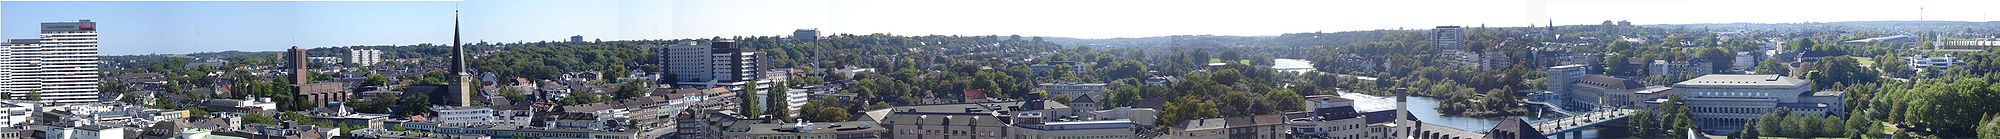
(1425, 108)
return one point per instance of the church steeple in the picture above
(457, 48)
(462, 82)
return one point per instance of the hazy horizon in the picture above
(130, 28)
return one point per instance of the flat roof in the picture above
(1741, 80)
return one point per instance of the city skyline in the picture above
(191, 27)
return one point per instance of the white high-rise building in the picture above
(61, 66)
(719, 64)
(364, 57)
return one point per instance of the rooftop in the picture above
(1742, 79)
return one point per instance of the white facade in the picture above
(463, 116)
(719, 64)
(61, 66)
(1724, 102)
(16, 112)
(1559, 77)
(364, 57)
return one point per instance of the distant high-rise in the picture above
(805, 35)
(364, 57)
(61, 67)
(1448, 37)
(1451, 39)
(576, 39)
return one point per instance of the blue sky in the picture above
(186, 27)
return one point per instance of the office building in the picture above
(364, 57)
(1600, 90)
(576, 39)
(61, 66)
(720, 64)
(1722, 103)
(1558, 77)
(462, 116)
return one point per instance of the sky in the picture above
(172, 27)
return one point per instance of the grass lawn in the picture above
(1865, 62)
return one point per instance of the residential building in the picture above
(61, 66)
(1722, 103)
(85, 132)
(364, 57)
(1330, 117)
(1745, 61)
(1691, 68)
(576, 39)
(17, 112)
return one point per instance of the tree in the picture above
(1838, 70)
(197, 112)
(1643, 123)
(630, 90)
(375, 80)
(1990, 128)
(1285, 100)
(1772, 66)
(746, 102)
(1770, 123)
(1128, 69)
(416, 103)
(1749, 131)
(1227, 76)
(1831, 126)
(1617, 64)
(775, 101)
(1187, 108)
(259, 118)
(35, 95)
(513, 94)
(1718, 58)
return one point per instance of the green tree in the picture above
(1616, 64)
(746, 102)
(1838, 70)
(1227, 76)
(1749, 131)
(1718, 58)
(1772, 66)
(375, 80)
(630, 90)
(1771, 122)
(259, 118)
(1990, 128)
(776, 100)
